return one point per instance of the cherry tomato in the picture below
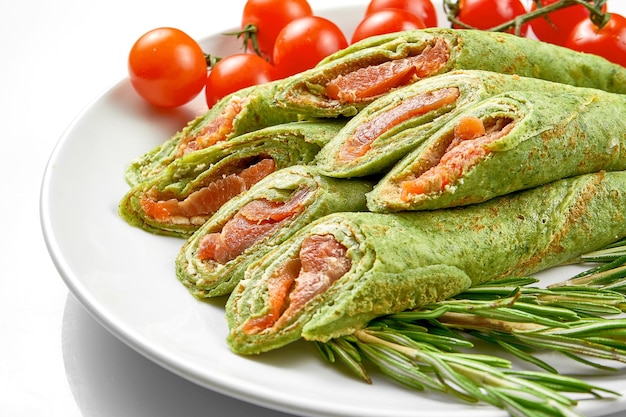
(270, 16)
(424, 9)
(304, 42)
(167, 67)
(234, 73)
(608, 42)
(386, 21)
(486, 14)
(556, 26)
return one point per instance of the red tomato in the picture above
(609, 42)
(303, 43)
(424, 9)
(270, 16)
(167, 67)
(556, 26)
(234, 73)
(386, 21)
(486, 14)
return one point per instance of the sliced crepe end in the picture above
(385, 131)
(241, 112)
(191, 189)
(348, 81)
(193, 204)
(282, 291)
(215, 256)
(430, 176)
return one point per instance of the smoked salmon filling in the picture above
(445, 164)
(321, 261)
(507, 143)
(360, 141)
(345, 269)
(239, 113)
(186, 193)
(343, 86)
(253, 222)
(207, 199)
(372, 79)
(214, 258)
(216, 130)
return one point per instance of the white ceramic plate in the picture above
(125, 277)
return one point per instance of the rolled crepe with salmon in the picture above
(179, 199)
(214, 258)
(395, 124)
(348, 80)
(345, 269)
(241, 112)
(509, 142)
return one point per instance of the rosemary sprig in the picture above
(427, 349)
(597, 16)
(421, 349)
(572, 322)
(469, 377)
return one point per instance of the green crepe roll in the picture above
(241, 112)
(345, 269)
(522, 139)
(179, 199)
(348, 80)
(393, 125)
(214, 258)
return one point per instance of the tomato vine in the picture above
(598, 16)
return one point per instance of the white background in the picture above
(55, 360)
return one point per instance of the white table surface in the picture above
(55, 360)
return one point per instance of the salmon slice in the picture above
(322, 260)
(465, 150)
(236, 236)
(278, 288)
(359, 143)
(264, 210)
(207, 200)
(216, 130)
(375, 80)
(252, 223)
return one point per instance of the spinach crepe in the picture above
(179, 199)
(348, 80)
(509, 142)
(392, 125)
(241, 112)
(345, 269)
(214, 258)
